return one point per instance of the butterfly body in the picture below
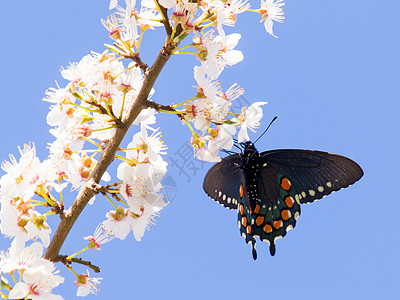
(267, 188)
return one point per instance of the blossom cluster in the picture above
(204, 21)
(85, 115)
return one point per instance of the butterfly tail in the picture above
(272, 248)
(253, 248)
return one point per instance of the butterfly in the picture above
(267, 188)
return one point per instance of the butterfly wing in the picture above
(245, 219)
(223, 180)
(284, 180)
(289, 178)
(313, 174)
(277, 210)
(225, 183)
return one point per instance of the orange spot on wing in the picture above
(259, 220)
(289, 201)
(241, 209)
(285, 214)
(244, 221)
(285, 184)
(241, 191)
(249, 229)
(257, 209)
(278, 224)
(268, 228)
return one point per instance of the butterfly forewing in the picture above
(223, 180)
(313, 174)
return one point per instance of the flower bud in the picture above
(119, 214)
(67, 152)
(87, 162)
(213, 132)
(178, 17)
(202, 56)
(115, 34)
(143, 147)
(197, 141)
(84, 173)
(125, 88)
(82, 279)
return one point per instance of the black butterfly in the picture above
(267, 188)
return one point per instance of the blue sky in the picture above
(331, 78)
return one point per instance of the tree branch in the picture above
(165, 20)
(107, 156)
(138, 62)
(78, 260)
(160, 107)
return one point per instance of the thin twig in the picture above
(138, 62)
(160, 107)
(78, 260)
(59, 209)
(165, 20)
(108, 113)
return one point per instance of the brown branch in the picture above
(160, 107)
(107, 156)
(105, 112)
(138, 62)
(165, 20)
(59, 210)
(78, 260)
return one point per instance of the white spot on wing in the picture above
(297, 198)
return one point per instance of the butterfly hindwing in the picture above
(276, 214)
(245, 218)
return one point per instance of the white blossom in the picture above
(117, 223)
(38, 275)
(271, 10)
(87, 285)
(100, 237)
(249, 118)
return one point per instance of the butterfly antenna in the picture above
(238, 147)
(265, 129)
(228, 151)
